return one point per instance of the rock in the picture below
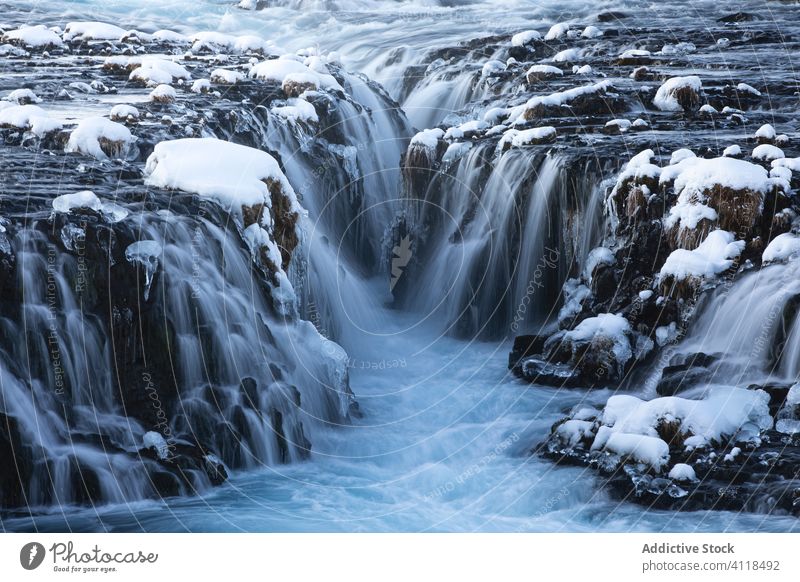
(686, 372)
(524, 346)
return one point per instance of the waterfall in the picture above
(498, 233)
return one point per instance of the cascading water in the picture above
(445, 436)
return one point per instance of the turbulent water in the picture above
(444, 439)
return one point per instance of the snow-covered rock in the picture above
(163, 94)
(154, 440)
(101, 138)
(83, 31)
(22, 97)
(767, 152)
(285, 70)
(542, 72)
(124, 112)
(226, 76)
(679, 94)
(715, 255)
(525, 37)
(782, 248)
(38, 36)
(153, 71)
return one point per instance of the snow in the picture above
(218, 41)
(428, 138)
(781, 248)
(696, 175)
(791, 163)
(591, 32)
(682, 472)
(170, 36)
(634, 54)
(33, 36)
(555, 99)
(163, 93)
(154, 71)
(22, 96)
(766, 132)
(709, 109)
(226, 76)
(545, 70)
(20, 116)
(154, 440)
(201, 86)
(44, 125)
(84, 199)
(688, 213)
(714, 255)
(767, 152)
(123, 111)
(721, 414)
(533, 135)
(665, 96)
(598, 256)
(279, 69)
(649, 450)
(745, 88)
(584, 70)
(622, 124)
(606, 325)
(86, 137)
(297, 110)
(732, 151)
(567, 55)
(492, 67)
(525, 37)
(557, 31)
(646, 294)
(680, 155)
(81, 31)
(572, 431)
(232, 174)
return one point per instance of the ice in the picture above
(665, 98)
(92, 132)
(84, 199)
(714, 255)
(146, 253)
(598, 256)
(154, 440)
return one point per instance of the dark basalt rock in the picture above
(686, 372)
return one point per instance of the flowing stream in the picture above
(444, 439)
